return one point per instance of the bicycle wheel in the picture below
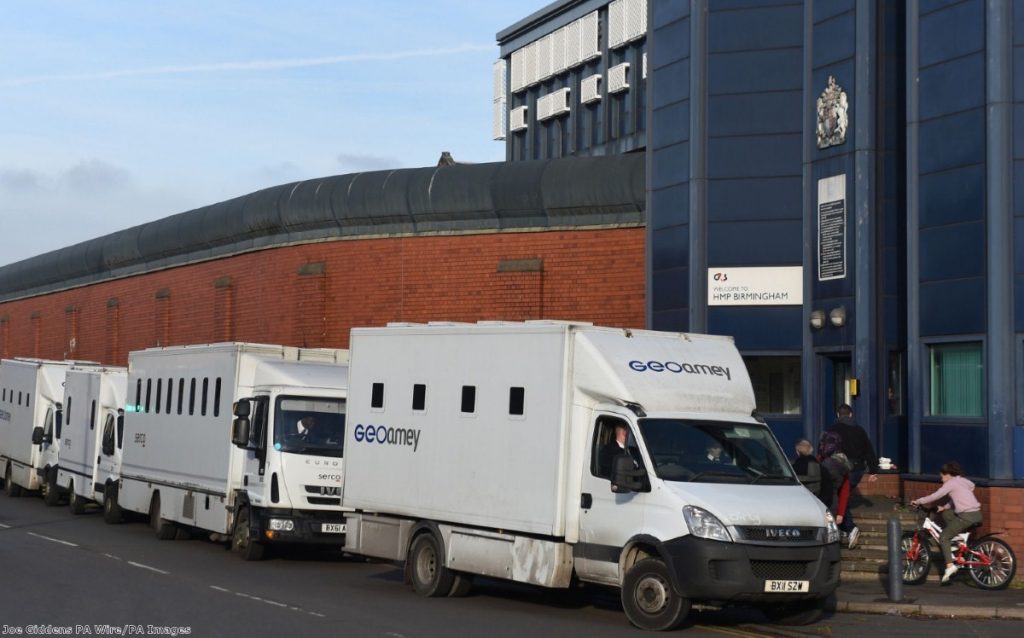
(916, 558)
(997, 564)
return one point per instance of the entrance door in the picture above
(836, 371)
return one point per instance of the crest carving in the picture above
(832, 115)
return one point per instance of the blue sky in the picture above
(118, 112)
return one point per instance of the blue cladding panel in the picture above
(755, 71)
(673, 45)
(665, 12)
(755, 243)
(1018, 188)
(762, 156)
(953, 307)
(1018, 63)
(767, 198)
(767, 27)
(671, 165)
(963, 443)
(952, 86)
(1018, 22)
(669, 206)
(677, 320)
(952, 196)
(952, 141)
(953, 32)
(755, 114)
(953, 252)
(670, 248)
(758, 327)
(834, 39)
(830, 9)
(671, 124)
(1018, 130)
(1018, 453)
(671, 84)
(1018, 302)
(670, 288)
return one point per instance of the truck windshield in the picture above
(306, 425)
(715, 452)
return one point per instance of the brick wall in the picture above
(312, 294)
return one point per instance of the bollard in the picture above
(895, 529)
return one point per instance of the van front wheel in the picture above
(649, 600)
(425, 567)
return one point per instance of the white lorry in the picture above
(92, 438)
(31, 392)
(548, 452)
(267, 471)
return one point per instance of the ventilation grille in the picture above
(499, 124)
(618, 78)
(590, 89)
(517, 119)
(627, 21)
(553, 104)
(559, 51)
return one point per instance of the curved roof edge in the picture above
(465, 198)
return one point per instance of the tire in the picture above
(164, 530)
(51, 493)
(916, 558)
(75, 502)
(462, 584)
(425, 567)
(1003, 564)
(801, 613)
(242, 541)
(649, 600)
(112, 513)
(13, 491)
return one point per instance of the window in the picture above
(120, 429)
(159, 394)
(138, 395)
(92, 416)
(149, 391)
(419, 396)
(516, 401)
(170, 387)
(776, 381)
(19, 397)
(69, 412)
(216, 397)
(894, 393)
(59, 418)
(377, 396)
(181, 394)
(206, 389)
(108, 436)
(192, 397)
(956, 380)
(468, 399)
(606, 447)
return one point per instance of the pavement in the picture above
(871, 593)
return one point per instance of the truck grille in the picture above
(323, 494)
(779, 569)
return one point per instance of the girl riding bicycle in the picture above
(962, 512)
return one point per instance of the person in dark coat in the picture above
(856, 446)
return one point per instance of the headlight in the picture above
(282, 524)
(831, 529)
(704, 524)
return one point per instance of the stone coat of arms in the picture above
(832, 115)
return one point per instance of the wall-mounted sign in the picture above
(764, 286)
(832, 228)
(833, 119)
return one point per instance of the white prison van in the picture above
(91, 441)
(31, 392)
(494, 449)
(271, 475)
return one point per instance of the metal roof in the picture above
(492, 197)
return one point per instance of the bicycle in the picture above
(989, 560)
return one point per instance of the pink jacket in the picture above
(960, 491)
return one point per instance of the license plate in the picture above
(332, 528)
(787, 586)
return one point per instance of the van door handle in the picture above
(586, 501)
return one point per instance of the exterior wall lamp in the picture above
(838, 316)
(817, 319)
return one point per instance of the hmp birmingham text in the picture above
(94, 630)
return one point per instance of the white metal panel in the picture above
(572, 32)
(530, 64)
(635, 19)
(553, 104)
(617, 24)
(498, 77)
(517, 119)
(518, 62)
(544, 68)
(558, 51)
(590, 89)
(590, 37)
(643, 74)
(618, 78)
(499, 123)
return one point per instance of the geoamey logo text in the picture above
(387, 436)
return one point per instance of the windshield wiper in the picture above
(713, 473)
